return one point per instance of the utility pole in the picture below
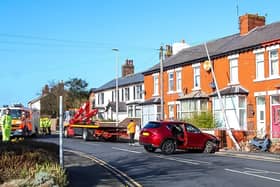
(161, 84)
(117, 85)
(61, 160)
(221, 102)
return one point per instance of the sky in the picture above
(48, 41)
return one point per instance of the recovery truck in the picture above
(82, 123)
(20, 127)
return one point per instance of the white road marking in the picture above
(182, 160)
(251, 174)
(126, 150)
(179, 160)
(262, 171)
(251, 157)
(129, 181)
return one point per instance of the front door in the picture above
(261, 116)
(276, 121)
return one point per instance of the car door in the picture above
(195, 138)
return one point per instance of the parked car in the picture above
(171, 135)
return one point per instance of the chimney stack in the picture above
(127, 68)
(248, 22)
(45, 90)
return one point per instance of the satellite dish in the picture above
(207, 65)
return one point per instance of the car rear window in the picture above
(152, 125)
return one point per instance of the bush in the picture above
(203, 120)
(33, 161)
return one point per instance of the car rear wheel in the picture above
(149, 148)
(168, 147)
(209, 147)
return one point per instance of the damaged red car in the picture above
(171, 135)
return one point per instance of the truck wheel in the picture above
(85, 134)
(149, 148)
(209, 147)
(168, 147)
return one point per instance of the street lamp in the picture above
(117, 85)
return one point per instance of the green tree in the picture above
(77, 92)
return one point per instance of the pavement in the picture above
(87, 172)
(83, 171)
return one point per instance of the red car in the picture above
(172, 135)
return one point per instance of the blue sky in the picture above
(44, 41)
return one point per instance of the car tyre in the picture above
(168, 147)
(209, 147)
(149, 148)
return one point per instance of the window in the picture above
(275, 100)
(178, 109)
(233, 70)
(130, 111)
(156, 84)
(171, 111)
(273, 63)
(137, 111)
(235, 109)
(113, 96)
(126, 94)
(138, 92)
(242, 111)
(122, 94)
(193, 106)
(171, 81)
(101, 98)
(259, 66)
(178, 81)
(196, 76)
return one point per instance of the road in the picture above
(180, 169)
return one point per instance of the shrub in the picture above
(203, 120)
(34, 161)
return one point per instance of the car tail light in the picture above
(145, 133)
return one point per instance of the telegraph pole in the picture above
(221, 102)
(161, 84)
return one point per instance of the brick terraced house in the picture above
(246, 66)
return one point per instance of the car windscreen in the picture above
(152, 125)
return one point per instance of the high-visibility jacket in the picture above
(42, 123)
(131, 127)
(47, 122)
(6, 122)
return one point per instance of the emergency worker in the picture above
(42, 125)
(131, 127)
(48, 125)
(24, 124)
(6, 122)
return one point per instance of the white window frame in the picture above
(196, 77)
(273, 70)
(138, 90)
(170, 81)
(179, 80)
(126, 94)
(259, 54)
(233, 69)
(156, 84)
